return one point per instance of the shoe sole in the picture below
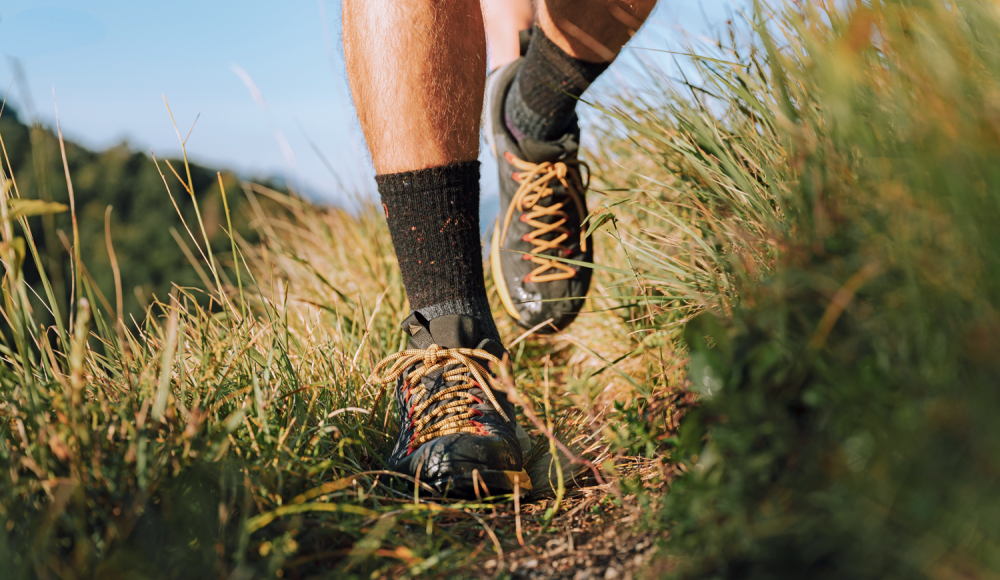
(488, 483)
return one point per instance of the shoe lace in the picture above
(536, 184)
(456, 414)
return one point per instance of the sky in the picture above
(265, 80)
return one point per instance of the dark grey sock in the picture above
(433, 216)
(542, 100)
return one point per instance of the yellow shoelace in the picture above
(454, 416)
(536, 185)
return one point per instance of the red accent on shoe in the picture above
(525, 256)
(480, 428)
(475, 398)
(527, 278)
(477, 413)
(526, 238)
(524, 217)
(509, 157)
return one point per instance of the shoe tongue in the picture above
(455, 331)
(448, 331)
(536, 151)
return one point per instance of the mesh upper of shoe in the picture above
(550, 221)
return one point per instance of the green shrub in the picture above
(841, 176)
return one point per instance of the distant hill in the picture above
(149, 257)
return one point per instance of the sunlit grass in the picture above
(233, 430)
(805, 235)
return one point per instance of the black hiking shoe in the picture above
(542, 206)
(457, 429)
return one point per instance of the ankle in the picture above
(541, 103)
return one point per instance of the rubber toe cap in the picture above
(459, 454)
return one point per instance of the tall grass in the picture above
(232, 430)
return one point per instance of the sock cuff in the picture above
(456, 179)
(474, 305)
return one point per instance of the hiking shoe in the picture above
(457, 430)
(542, 206)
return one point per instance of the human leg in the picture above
(416, 70)
(504, 20)
(592, 30)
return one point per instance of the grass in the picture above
(801, 239)
(233, 432)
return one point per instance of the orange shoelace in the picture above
(536, 185)
(456, 415)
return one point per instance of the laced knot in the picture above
(453, 405)
(536, 181)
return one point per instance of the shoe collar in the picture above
(528, 149)
(448, 331)
(566, 147)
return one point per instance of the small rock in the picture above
(611, 574)
(530, 563)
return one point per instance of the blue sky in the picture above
(110, 62)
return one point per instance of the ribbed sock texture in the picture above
(543, 97)
(433, 217)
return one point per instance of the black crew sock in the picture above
(542, 99)
(433, 216)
